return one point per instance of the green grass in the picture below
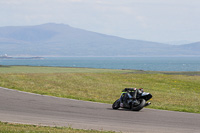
(21, 128)
(178, 91)
(33, 69)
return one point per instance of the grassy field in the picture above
(20, 128)
(178, 91)
(33, 69)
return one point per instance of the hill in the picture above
(193, 47)
(63, 40)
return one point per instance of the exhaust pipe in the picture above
(147, 104)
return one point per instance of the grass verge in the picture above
(177, 91)
(22, 128)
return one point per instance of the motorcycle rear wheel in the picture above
(140, 106)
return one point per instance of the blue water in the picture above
(138, 63)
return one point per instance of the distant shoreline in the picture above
(121, 56)
(21, 57)
(136, 63)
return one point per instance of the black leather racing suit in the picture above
(129, 93)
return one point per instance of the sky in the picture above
(167, 21)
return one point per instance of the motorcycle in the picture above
(135, 105)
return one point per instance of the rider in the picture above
(129, 93)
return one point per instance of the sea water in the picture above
(138, 63)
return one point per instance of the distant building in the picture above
(5, 56)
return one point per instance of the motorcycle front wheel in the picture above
(116, 104)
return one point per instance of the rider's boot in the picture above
(135, 101)
(121, 105)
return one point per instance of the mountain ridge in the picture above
(52, 39)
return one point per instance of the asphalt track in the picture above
(28, 108)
